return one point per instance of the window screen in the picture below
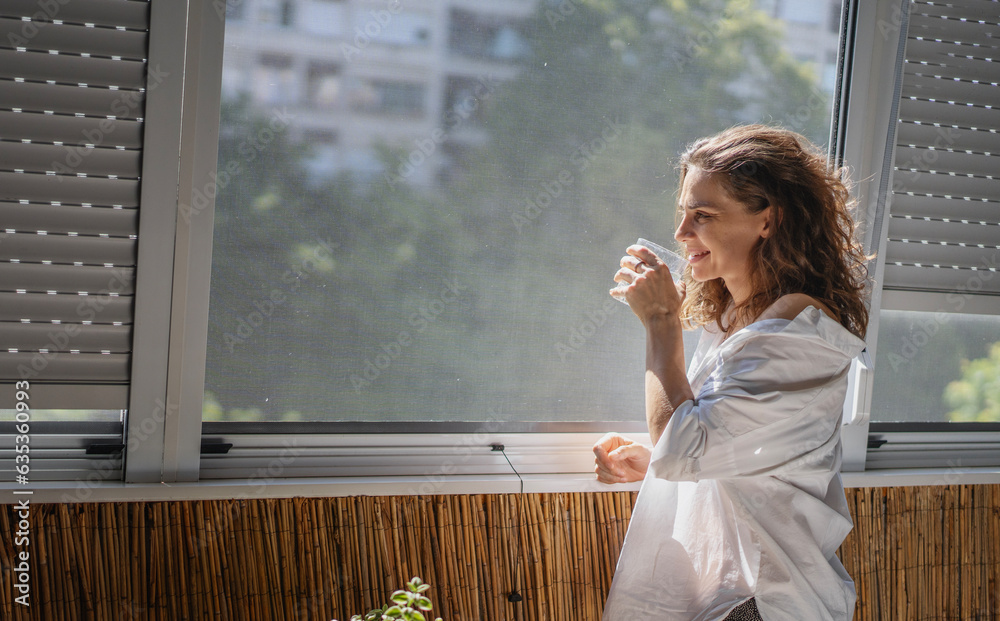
(448, 257)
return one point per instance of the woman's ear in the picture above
(770, 215)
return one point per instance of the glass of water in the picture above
(674, 262)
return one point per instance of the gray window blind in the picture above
(72, 91)
(944, 228)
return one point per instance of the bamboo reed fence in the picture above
(915, 553)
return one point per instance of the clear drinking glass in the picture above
(674, 262)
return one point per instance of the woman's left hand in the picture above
(651, 291)
(618, 459)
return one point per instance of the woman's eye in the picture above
(699, 216)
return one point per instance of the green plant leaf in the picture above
(423, 587)
(423, 603)
(401, 597)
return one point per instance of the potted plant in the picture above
(408, 605)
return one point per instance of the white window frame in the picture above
(868, 145)
(164, 428)
(871, 75)
(163, 432)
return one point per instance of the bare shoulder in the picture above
(789, 306)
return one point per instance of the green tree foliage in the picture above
(919, 354)
(671, 70)
(975, 397)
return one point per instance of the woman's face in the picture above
(718, 232)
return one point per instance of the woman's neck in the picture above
(739, 291)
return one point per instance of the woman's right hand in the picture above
(619, 459)
(656, 293)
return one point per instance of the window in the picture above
(937, 326)
(388, 97)
(275, 12)
(274, 80)
(235, 11)
(937, 367)
(484, 35)
(942, 247)
(393, 26)
(466, 280)
(465, 101)
(321, 17)
(385, 266)
(324, 85)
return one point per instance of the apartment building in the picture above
(355, 74)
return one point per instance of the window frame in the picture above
(863, 136)
(167, 441)
(163, 425)
(944, 446)
(868, 137)
(873, 42)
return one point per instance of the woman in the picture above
(742, 507)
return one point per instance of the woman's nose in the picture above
(683, 231)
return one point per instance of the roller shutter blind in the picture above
(72, 90)
(73, 78)
(944, 228)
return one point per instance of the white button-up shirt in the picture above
(743, 496)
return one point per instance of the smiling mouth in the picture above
(694, 256)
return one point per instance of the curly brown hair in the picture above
(813, 249)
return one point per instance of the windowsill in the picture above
(57, 492)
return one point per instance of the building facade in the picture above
(356, 75)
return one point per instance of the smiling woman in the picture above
(718, 232)
(742, 506)
(774, 186)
